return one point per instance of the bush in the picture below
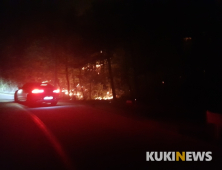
(7, 86)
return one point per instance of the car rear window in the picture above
(46, 85)
(37, 85)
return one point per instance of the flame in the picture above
(104, 98)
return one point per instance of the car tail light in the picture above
(37, 91)
(56, 91)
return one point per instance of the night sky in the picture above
(110, 18)
(156, 18)
(103, 24)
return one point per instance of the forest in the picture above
(115, 49)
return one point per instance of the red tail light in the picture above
(37, 91)
(56, 91)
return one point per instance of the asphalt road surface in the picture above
(82, 137)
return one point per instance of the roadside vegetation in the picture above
(7, 86)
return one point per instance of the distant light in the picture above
(135, 99)
(19, 91)
(98, 73)
(107, 92)
(162, 82)
(83, 68)
(187, 38)
(101, 51)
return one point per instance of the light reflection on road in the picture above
(10, 98)
(6, 97)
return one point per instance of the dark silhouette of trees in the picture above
(153, 49)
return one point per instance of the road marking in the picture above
(53, 140)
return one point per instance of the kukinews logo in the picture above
(179, 156)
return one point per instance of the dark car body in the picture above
(37, 93)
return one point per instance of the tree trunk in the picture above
(67, 76)
(111, 78)
(55, 74)
(90, 90)
(56, 83)
(73, 78)
(80, 82)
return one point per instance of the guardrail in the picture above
(12, 93)
(215, 119)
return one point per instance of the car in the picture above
(33, 93)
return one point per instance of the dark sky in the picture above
(97, 21)
(186, 16)
(151, 32)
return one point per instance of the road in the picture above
(82, 137)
